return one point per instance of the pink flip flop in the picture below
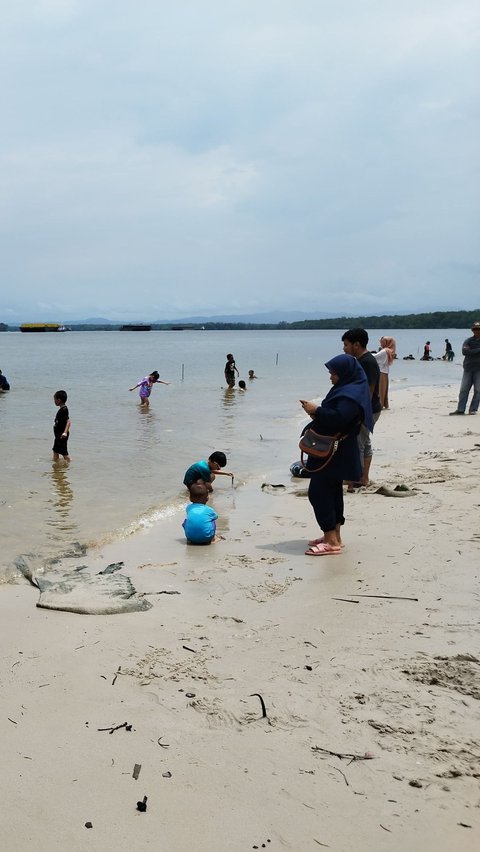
(323, 549)
(320, 541)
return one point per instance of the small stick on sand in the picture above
(262, 702)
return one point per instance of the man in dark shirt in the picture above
(355, 342)
(471, 373)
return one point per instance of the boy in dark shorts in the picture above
(230, 370)
(61, 427)
(206, 469)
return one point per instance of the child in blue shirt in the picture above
(205, 470)
(199, 525)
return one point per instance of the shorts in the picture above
(60, 446)
(364, 439)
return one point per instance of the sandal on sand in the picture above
(320, 541)
(322, 549)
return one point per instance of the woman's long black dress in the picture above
(325, 491)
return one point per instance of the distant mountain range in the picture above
(269, 317)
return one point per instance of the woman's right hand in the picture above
(309, 407)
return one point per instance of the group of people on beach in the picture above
(341, 426)
(348, 415)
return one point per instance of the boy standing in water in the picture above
(146, 384)
(61, 427)
(230, 370)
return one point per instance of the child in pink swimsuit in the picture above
(146, 385)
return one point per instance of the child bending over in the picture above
(206, 469)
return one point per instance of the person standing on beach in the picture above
(230, 370)
(355, 342)
(344, 408)
(61, 427)
(471, 373)
(146, 384)
(384, 358)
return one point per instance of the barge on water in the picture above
(42, 326)
(136, 327)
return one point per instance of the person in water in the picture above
(4, 383)
(61, 427)
(146, 384)
(230, 370)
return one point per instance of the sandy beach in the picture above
(275, 700)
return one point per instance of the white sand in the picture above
(388, 677)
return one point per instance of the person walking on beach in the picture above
(146, 384)
(449, 353)
(384, 358)
(355, 342)
(199, 525)
(345, 407)
(61, 427)
(230, 370)
(471, 373)
(205, 470)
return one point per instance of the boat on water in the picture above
(136, 327)
(42, 326)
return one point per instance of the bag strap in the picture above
(336, 442)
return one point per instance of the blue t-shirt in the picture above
(199, 525)
(199, 470)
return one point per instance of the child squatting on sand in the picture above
(206, 469)
(199, 525)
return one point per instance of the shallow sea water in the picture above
(128, 463)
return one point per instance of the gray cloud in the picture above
(165, 160)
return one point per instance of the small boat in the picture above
(41, 326)
(136, 327)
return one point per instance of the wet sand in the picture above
(367, 663)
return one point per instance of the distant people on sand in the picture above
(449, 353)
(61, 427)
(471, 373)
(251, 374)
(230, 370)
(355, 342)
(4, 383)
(146, 384)
(345, 407)
(199, 525)
(385, 357)
(426, 352)
(205, 470)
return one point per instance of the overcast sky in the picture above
(165, 158)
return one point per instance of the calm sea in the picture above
(127, 463)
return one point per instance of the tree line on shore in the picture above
(436, 319)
